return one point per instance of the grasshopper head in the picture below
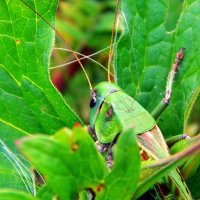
(102, 119)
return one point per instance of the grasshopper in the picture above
(112, 111)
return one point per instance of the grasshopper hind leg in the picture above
(165, 101)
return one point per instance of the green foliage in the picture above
(149, 45)
(29, 103)
(70, 163)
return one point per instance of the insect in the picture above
(112, 111)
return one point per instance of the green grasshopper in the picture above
(112, 111)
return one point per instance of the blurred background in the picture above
(87, 26)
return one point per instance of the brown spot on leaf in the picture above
(74, 147)
(76, 124)
(99, 187)
(18, 42)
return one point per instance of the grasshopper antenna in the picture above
(66, 43)
(111, 41)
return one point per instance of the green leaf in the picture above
(9, 177)
(24, 60)
(29, 103)
(14, 195)
(146, 51)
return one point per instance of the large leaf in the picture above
(70, 163)
(147, 49)
(28, 101)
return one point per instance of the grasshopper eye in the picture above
(93, 102)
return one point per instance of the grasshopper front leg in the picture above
(107, 150)
(165, 101)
